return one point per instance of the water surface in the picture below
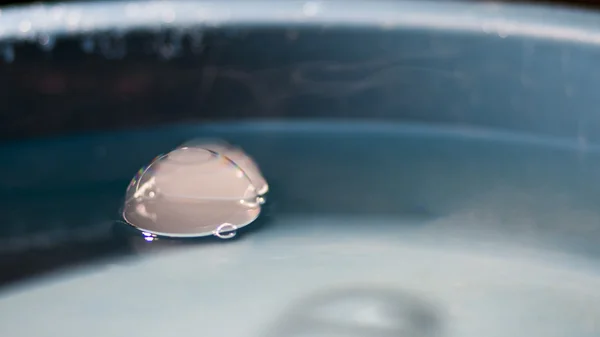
(459, 232)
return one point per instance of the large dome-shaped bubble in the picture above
(237, 156)
(198, 189)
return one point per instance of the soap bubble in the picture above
(238, 157)
(199, 189)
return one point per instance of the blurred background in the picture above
(13, 267)
(586, 3)
(60, 197)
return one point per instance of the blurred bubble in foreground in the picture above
(201, 188)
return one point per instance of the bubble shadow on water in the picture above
(360, 312)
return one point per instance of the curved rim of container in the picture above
(504, 20)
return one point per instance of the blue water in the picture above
(459, 185)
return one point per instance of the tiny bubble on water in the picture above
(46, 42)
(226, 231)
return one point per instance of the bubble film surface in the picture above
(199, 189)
